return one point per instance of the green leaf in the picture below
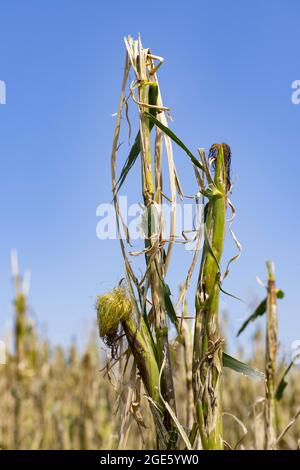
(172, 136)
(283, 383)
(131, 159)
(169, 305)
(136, 148)
(259, 311)
(241, 367)
(229, 294)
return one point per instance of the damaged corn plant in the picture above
(139, 320)
(274, 386)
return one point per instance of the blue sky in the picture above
(227, 77)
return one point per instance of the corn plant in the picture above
(152, 356)
(274, 388)
(142, 307)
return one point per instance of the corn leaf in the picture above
(283, 383)
(259, 311)
(172, 136)
(136, 148)
(131, 159)
(169, 305)
(241, 367)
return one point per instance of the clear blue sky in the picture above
(227, 77)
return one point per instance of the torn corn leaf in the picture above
(241, 367)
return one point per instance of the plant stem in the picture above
(271, 353)
(141, 347)
(188, 353)
(154, 263)
(207, 354)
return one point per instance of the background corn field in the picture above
(68, 403)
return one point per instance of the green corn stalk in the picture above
(160, 386)
(161, 329)
(149, 89)
(142, 348)
(208, 345)
(271, 353)
(142, 63)
(187, 348)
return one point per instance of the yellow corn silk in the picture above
(112, 308)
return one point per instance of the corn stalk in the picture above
(154, 261)
(271, 353)
(208, 345)
(147, 330)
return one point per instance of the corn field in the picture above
(67, 399)
(155, 373)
